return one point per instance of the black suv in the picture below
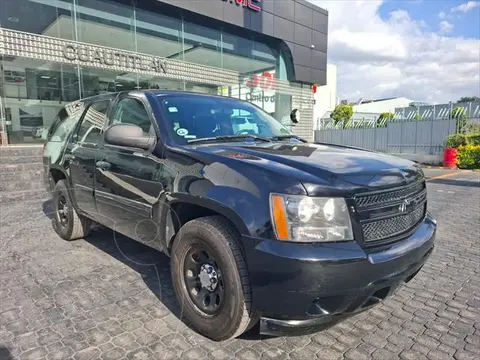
(259, 224)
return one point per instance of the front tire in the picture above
(68, 224)
(210, 278)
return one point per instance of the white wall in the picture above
(382, 106)
(326, 96)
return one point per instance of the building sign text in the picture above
(265, 81)
(262, 98)
(251, 4)
(99, 56)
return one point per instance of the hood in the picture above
(317, 165)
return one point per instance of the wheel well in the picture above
(57, 175)
(184, 212)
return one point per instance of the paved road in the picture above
(108, 297)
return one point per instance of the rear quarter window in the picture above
(60, 131)
(62, 128)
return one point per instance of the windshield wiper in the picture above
(284, 137)
(230, 137)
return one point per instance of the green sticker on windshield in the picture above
(182, 132)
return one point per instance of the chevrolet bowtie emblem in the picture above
(403, 206)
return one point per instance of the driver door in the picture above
(127, 186)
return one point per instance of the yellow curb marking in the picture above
(443, 176)
(442, 167)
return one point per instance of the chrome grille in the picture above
(382, 198)
(385, 228)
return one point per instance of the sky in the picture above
(425, 50)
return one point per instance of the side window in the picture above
(54, 126)
(132, 111)
(92, 123)
(62, 126)
(59, 133)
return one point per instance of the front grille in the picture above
(382, 198)
(388, 214)
(385, 228)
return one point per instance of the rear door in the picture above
(128, 179)
(80, 156)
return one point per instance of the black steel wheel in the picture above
(203, 279)
(62, 211)
(210, 278)
(68, 224)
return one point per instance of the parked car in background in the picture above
(39, 131)
(243, 123)
(260, 225)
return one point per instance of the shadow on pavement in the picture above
(5, 354)
(466, 183)
(152, 265)
(47, 208)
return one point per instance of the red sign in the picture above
(251, 4)
(266, 81)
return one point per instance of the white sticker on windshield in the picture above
(182, 132)
(172, 109)
(190, 136)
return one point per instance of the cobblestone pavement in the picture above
(108, 297)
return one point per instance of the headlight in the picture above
(306, 219)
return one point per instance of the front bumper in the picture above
(300, 288)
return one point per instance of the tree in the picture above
(468, 99)
(342, 113)
(384, 118)
(460, 114)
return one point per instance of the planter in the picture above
(450, 158)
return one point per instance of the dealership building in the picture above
(52, 52)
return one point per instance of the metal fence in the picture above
(470, 111)
(359, 119)
(410, 137)
(413, 130)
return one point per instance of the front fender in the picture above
(249, 216)
(234, 188)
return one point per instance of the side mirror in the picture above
(128, 135)
(295, 116)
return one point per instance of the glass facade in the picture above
(109, 46)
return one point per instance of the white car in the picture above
(38, 132)
(243, 123)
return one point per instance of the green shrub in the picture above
(460, 114)
(468, 157)
(385, 118)
(473, 139)
(456, 140)
(473, 128)
(342, 113)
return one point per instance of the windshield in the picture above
(191, 117)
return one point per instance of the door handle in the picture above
(69, 157)
(103, 165)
